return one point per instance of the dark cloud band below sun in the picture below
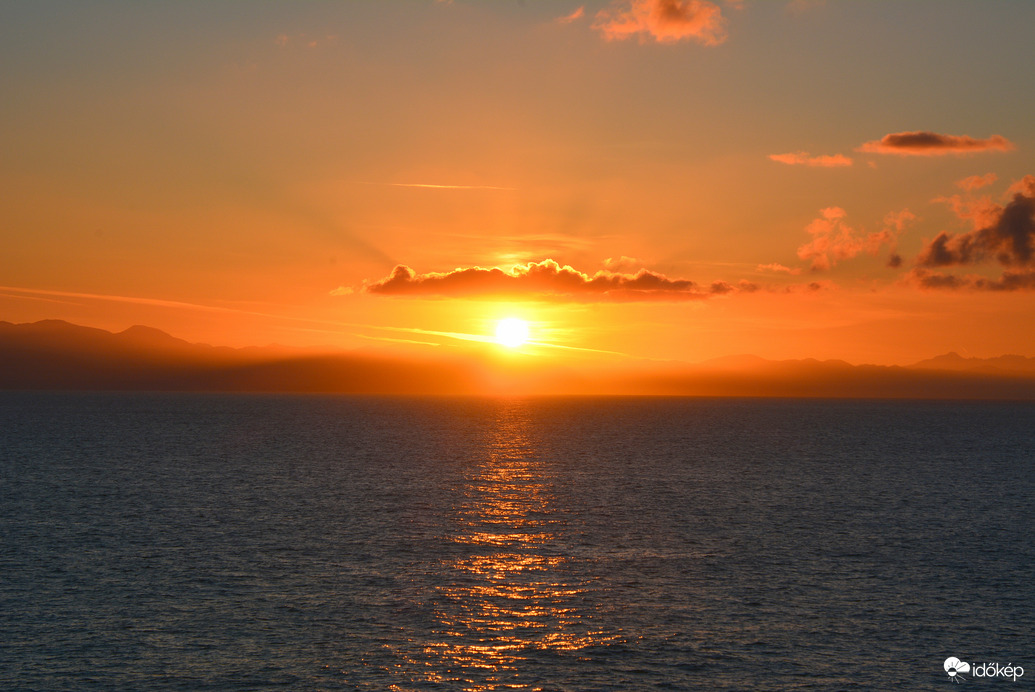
(549, 280)
(933, 144)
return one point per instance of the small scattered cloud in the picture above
(1025, 186)
(980, 211)
(665, 21)
(569, 18)
(342, 291)
(976, 182)
(803, 158)
(833, 240)
(933, 144)
(778, 269)
(546, 280)
(899, 220)
(745, 286)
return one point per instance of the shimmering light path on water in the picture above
(225, 542)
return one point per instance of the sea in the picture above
(274, 542)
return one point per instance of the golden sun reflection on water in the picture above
(510, 596)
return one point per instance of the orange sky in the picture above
(673, 180)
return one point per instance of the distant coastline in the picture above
(57, 355)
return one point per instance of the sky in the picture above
(649, 179)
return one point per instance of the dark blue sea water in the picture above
(182, 542)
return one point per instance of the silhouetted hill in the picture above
(58, 355)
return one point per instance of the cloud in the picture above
(933, 144)
(833, 240)
(569, 18)
(1025, 186)
(980, 211)
(935, 280)
(546, 280)
(666, 21)
(976, 182)
(748, 286)
(438, 186)
(778, 269)
(342, 291)
(1008, 237)
(803, 158)
(622, 264)
(1008, 281)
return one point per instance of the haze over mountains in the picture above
(57, 355)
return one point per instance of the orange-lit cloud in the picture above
(833, 240)
(548, 280)
(1008, 281)
(933, 144)
(980, 211)
(1025, 186)
(622, 264)
(666, 21)
(1008, 238)
(976, 182)
(803, 158)
(778, 268)
(569, 18)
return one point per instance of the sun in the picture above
(511, 332)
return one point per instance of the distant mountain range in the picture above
(61, 356)
(53, 354)
(1002, 365)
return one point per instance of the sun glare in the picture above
(511, 332)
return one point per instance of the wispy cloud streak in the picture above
(435, 186)
(803, 158)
